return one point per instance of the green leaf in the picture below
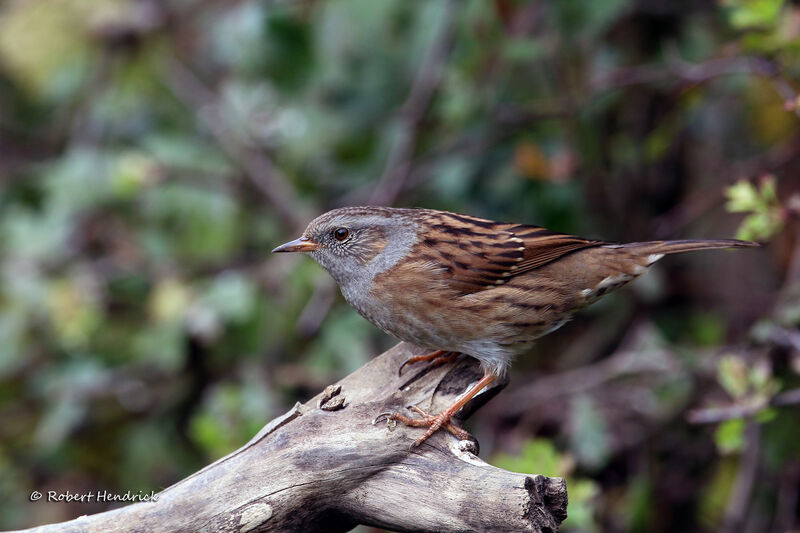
(716, 492)
(765, 218)
(287, 49)
(227, 416)
(766, 415)
(35, 236)
(162, 346)
(760, 375)
(232, 296)
(742, 197)
(538, 455)
(769, 191)
(748, 13)
(732, 374)
(131, 172)
(198, 224)
(44, 45)
(581, 506)
(169, 300)
(640, 504)
(74, 311)
(707, 329)
(729, 436)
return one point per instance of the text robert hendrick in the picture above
(96, 496)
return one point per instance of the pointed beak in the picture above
(302, 244)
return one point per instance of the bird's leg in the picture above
(434, 423)
(439, 357)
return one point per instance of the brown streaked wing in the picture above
(478, 254)
(543, 246)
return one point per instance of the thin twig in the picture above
(699, 203)
(507, 119)
(784, 517)
(317, 308)
(712, 415)
(255, 164)
(428, 78)
(737, 507)
(695, 73)
(582, 379)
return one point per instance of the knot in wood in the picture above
(330, 400)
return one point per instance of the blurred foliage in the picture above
(153, 152)
(765, 218)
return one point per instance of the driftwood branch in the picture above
(324, 466)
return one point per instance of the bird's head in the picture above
(356, 241)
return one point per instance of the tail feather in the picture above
(608, 267)
(688, 245)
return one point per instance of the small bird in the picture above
(458, 284)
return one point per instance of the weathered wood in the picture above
(324, 466)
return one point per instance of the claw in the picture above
(400, 370)
(378, 420)
(436, 358)
(389, 417)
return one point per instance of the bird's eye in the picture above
(340, 234)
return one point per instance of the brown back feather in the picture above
(478, 254)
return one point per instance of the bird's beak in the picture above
(303, 244)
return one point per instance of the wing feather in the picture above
(477, 254)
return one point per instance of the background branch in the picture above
(429, 75)
(712, 415)
(256, 165)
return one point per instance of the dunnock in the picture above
(460, 284)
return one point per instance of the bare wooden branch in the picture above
(324, 466)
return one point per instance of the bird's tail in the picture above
(657, 249)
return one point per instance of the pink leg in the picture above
(434, 423)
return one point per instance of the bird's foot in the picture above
(439, 357)
(442, 420)
(432, 422)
